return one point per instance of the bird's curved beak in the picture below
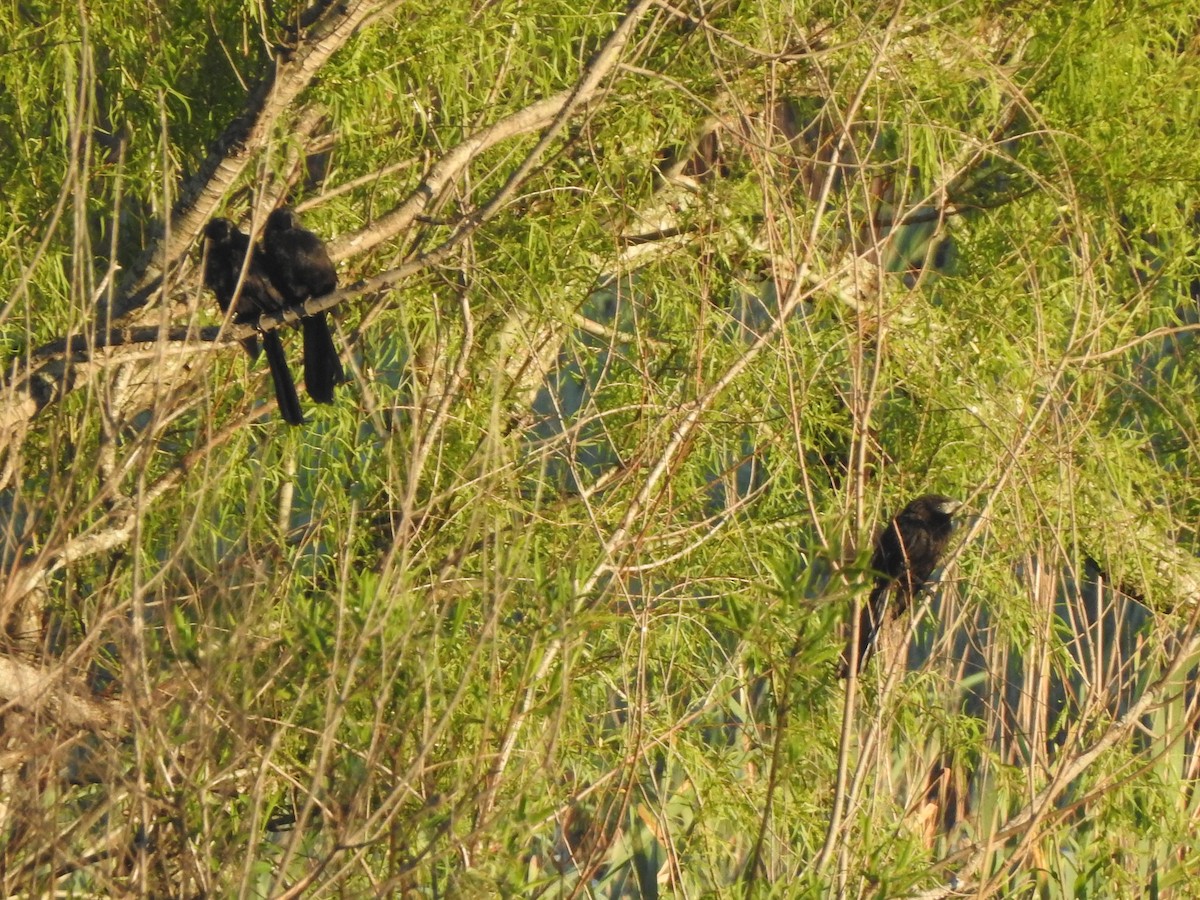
(949, 507)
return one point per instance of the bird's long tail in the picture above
(870, 622)
(322, 367)
(285, 387)
(250, 345)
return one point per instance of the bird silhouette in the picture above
(906, 553)
(299, 266)
(251, 294)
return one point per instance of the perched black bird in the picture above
(299, 266)
(225, 255)
(906, 553)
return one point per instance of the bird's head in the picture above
(931, 508)
(282, 219)
(219, 231)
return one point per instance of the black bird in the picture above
(299, 266)
(225, 255)
(906, 553)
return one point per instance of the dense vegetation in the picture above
(653, 315)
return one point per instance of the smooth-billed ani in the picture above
(252, 295)
(906, 553)
(299, 266)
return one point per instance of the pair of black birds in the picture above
(290, 265)
(906, 553)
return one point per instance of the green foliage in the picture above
(549, 602)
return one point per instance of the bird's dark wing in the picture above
(920, 559)
(298, 264)
(258, 294)
(311, 263)
(223, 274)
(888, 558)
(223, 264)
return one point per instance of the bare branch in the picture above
(44, 689)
